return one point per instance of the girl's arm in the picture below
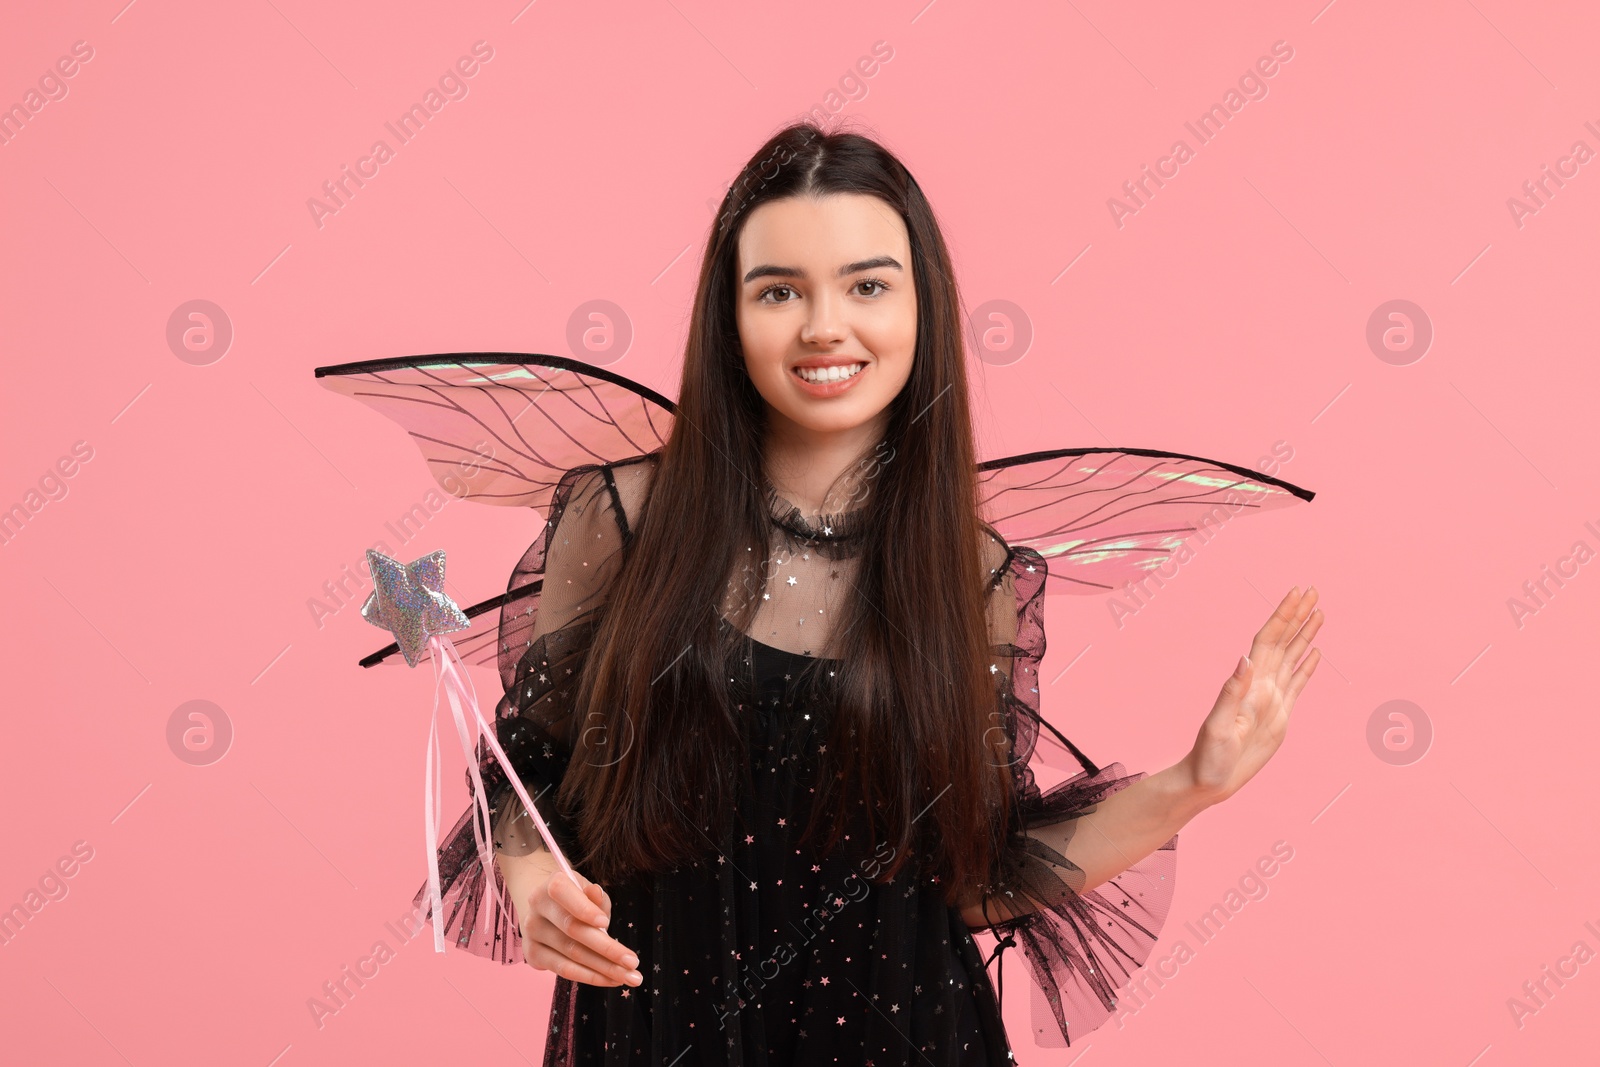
(1122, 830)
(1242, 731)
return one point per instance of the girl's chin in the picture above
(820, 420)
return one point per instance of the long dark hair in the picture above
(915, 695)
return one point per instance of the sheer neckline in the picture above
(833, 528)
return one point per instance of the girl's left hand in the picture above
(1251, 716)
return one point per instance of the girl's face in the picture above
(826, 282)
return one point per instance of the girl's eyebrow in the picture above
(769, 271)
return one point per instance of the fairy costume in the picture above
(758, 952)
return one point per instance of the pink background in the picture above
(1229, 313)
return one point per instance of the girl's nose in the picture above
(824, 323)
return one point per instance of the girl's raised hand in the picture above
(1251, 716)
(565, 933)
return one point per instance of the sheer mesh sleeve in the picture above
(1081, 946)
(544, 640)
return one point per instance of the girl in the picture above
(779, 698)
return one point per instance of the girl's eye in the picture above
(881, 287)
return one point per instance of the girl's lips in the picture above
(826, 389)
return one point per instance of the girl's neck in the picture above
(820, 473)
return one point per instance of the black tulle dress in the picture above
(770, 955)
(762, 952)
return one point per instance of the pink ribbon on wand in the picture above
(408, 599)
(451, 677)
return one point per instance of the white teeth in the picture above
(829, 374)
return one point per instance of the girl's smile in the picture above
(828, 376)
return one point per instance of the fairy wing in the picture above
(1100, 518)
(502, 428)
(1104, 516)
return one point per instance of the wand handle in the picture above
(450, 675)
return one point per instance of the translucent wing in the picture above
(502, 428)
(1102, 517)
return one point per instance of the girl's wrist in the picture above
(1186, 795)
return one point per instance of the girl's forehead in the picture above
(824, 233)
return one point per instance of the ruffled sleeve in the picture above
(1081, 946)
(544, 638)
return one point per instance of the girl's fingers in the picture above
(553, 908)
(575, 898)
(1291, 613)
(1268, 637)
(600, 897)
(1303, 675)
(584, 944)
(546, 958)
(586, 957)
(1297, 647)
